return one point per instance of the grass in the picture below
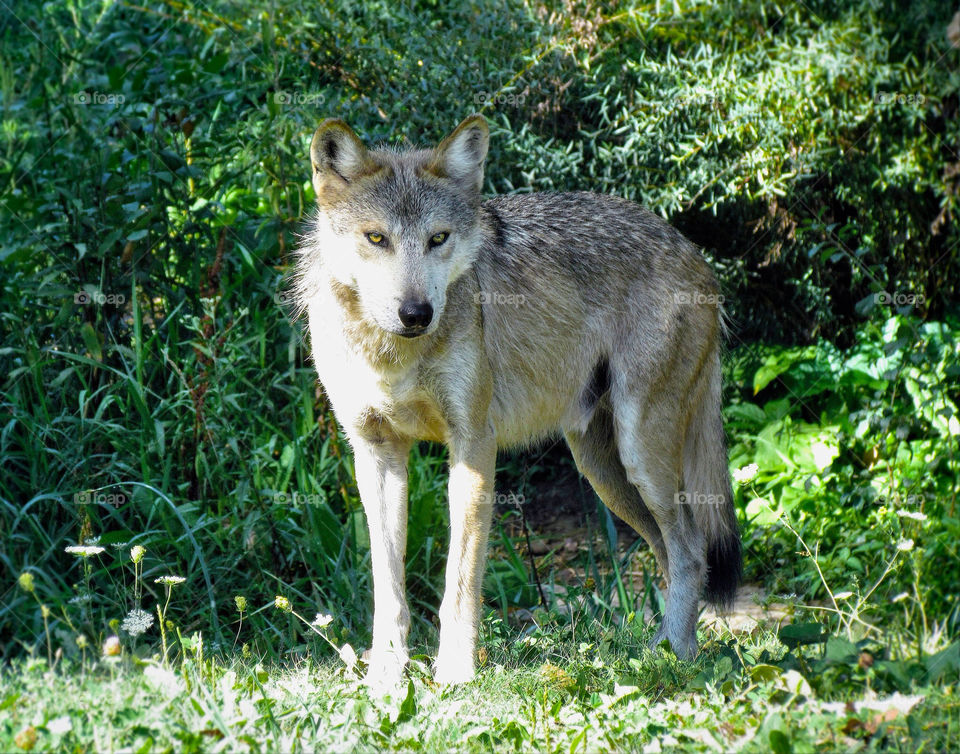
(550, 691)
(576, 676)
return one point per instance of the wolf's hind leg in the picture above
(595, 453)
(650, 450)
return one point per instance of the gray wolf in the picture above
(437, 315)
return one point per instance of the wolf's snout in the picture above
(415, 314)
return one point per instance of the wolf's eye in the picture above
(377, 239)
(437, 239)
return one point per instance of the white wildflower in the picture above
(915, 515)
(111, 647)
(169, 580)
(745, 474)
(84, 551)
(137, 622)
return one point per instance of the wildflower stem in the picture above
(163, 634)
(45, 611)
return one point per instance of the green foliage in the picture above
(153, 176)
(855, 452)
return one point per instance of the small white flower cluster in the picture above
(915, 515)
(84, 551)
(137, 622)
(746, 474)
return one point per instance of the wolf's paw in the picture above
(658, 638)
(454, 669)
(384, 673)
(685, 648)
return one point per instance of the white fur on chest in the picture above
(357, 389)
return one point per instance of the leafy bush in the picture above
(856, 455)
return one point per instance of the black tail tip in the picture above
(724, 569)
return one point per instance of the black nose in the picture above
(415, 313)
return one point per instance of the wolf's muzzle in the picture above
(415, 315)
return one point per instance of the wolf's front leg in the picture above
(472, 465)
(381, 470)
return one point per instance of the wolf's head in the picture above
(396, 228)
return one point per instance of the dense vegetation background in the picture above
(153, 177)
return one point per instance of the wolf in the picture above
(437, 315)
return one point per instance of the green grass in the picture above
(550, 691)
(153, 177)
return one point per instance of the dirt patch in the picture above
(750, 610)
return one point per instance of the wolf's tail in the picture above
(707, 483)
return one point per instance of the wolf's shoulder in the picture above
(568, 204)
(579, 219)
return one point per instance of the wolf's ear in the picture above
(337, 155)
(460, 156)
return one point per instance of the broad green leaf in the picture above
(798, 634)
